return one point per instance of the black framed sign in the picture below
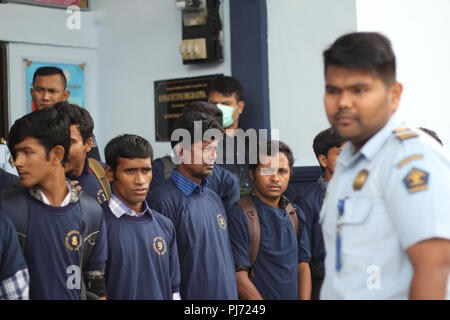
(172, 95)
(64, 4)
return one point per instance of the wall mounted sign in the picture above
(170, 98)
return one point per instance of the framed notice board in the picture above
(170, 98)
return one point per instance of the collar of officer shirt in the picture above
(373, 146)
(119, 208)
(186, 185)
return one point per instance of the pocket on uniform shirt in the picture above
(356, 211)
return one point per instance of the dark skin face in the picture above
(358, 103)
(328, 162)
(231, 101)
(131, 181)
(198, 161)
(48, 90)
(77, 152)
(271, 178)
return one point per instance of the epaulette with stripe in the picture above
(2, 141)
(405, 133)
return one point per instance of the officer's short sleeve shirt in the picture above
(403, 200)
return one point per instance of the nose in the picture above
(139, 178)
(18, 160)
(46, 95)
(345, 100)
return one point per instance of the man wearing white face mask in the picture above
(227, 94)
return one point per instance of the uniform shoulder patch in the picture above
(2, 140)
(416, 180)
(405, 133)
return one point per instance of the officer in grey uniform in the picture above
(6, 160)
(385, 218)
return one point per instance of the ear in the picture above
(88, 145)
(395, 93)
(66, 95)
(109, 173)
(178, 150)
(241, 105)
(322, 160)
(57, 155)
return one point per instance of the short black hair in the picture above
(227, 86)
(325, 140)
(367, 51)
(205, 107)
(187, 122)
(49, 71)
(50, 127)
(282, 148)
(77, 116)
(127, 146)
(432, 134)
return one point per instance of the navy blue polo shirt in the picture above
(53, 250)
(89, 182)
(7, 179)
(280, 252)
(11, 257)
(206, 261)
(310, 200)
(142, 257)
(222, 181)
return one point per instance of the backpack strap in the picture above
(249, 208)
(91, 215)
(14, 203)
(100, 174)
(291, 211)
(168, 166)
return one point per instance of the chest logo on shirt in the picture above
(159, 245)
(222, 222)
(416, 180)
(73, 240)
(101, 196)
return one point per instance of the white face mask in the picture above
(227, 112)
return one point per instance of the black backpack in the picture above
(14, 203)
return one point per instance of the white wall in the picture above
(139, 43)
(298, 32)
(40, 34)
(420, 35)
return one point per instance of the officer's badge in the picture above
(416, 180)
(73, 240)
(360, 179)
(159, 245)
(222, 221)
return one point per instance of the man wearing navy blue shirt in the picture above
(142, 249)
(327, 145)
(55, 234)
(222, 181)
(14, 278)
(77, 165)
(197, 212)
(281, 270)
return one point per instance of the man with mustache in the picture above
(280, 270)
(385, 217)
(197, 212)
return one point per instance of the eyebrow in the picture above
(353, 86)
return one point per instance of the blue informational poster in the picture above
(75, 81)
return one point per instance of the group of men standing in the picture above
(136, 227)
